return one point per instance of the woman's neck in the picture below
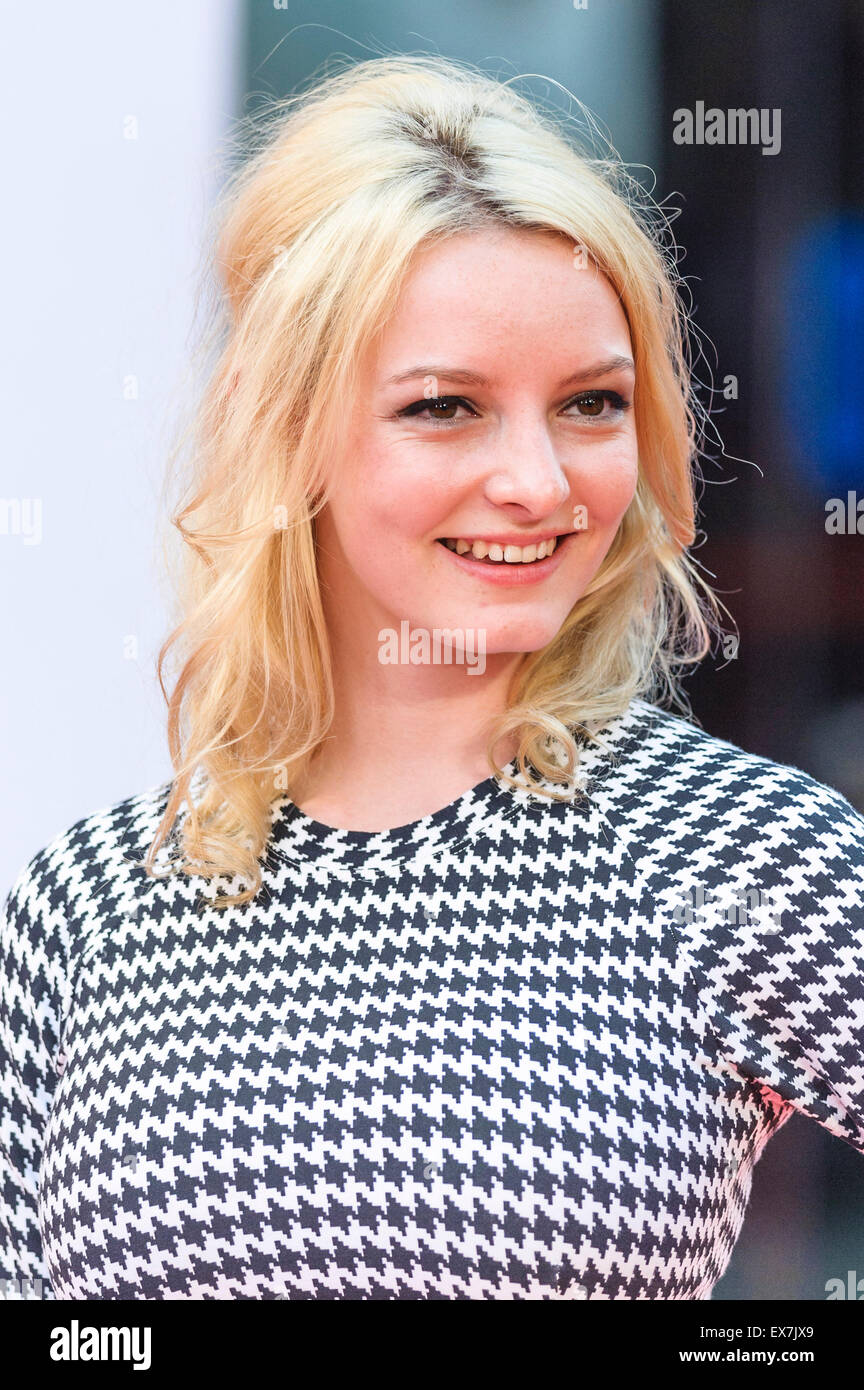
(405, 742)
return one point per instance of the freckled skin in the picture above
(512, 306)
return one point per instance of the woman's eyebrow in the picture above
(618, 363)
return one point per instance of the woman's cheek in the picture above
(610, 492)
(411, 509)
(385, 485)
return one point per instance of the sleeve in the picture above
(33, 973)
(780, 971)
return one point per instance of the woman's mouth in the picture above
(506, 561)
(495, 554)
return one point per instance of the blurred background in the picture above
(103, 262)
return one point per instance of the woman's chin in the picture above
(497, 633)
(521, 638)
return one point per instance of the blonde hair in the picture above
(317, 230)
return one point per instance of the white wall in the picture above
(101, 242)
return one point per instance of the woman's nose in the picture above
(526, 472)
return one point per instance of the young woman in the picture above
(449, 965)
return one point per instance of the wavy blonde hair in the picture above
(316, 231)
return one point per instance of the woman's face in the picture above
(494, 411)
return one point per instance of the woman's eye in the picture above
(443, 410)
(436, 408)
(591, 403)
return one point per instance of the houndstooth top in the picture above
(519, 1049)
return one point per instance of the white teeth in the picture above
(508, 554)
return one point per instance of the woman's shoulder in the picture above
(697, 810)
(755, 870)
(695, 771)
(112, 831)
(83, 871)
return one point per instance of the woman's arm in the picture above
(784, 989)
(33, 974)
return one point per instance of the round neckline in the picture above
(296, 837)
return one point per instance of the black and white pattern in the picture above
(518, 1050)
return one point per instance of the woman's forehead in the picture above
(485, 294)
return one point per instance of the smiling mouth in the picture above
(493, 554)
